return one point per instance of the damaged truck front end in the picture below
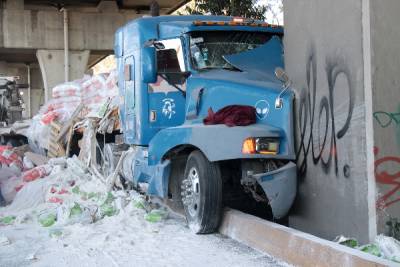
(174, 72)
(278, 183)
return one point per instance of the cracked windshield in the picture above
(209, 48)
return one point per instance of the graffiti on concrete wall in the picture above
(391, 179)
(389, 120)
(386, 119)
(318, 115)
(387, 168)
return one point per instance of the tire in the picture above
(202, 194)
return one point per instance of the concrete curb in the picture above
(291, 245)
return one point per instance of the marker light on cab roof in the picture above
(238, 19)
(234, 22)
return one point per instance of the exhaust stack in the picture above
(154, 9)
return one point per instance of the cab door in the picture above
(166, 96)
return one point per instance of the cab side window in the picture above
(168, 66)
(167, 61)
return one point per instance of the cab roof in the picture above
(173, 26)
(140, 30)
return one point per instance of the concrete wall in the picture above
(385, 42)
(324, 42)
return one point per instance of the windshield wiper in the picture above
(165, 77)
(220, 68)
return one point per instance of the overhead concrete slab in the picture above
(15, 55)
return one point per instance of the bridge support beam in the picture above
(51, 64)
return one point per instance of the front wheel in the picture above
(202, 194)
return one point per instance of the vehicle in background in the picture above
(11, 107)
(10, 100)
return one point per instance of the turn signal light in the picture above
(249, 146)
(261, 145)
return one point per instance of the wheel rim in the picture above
(191, 192)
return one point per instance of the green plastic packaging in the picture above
(8, 219)
(107, 208)
(75, 210)
(155, 216)
(75, 190)
(95, 195)
(372, 249)
(139, 204)
(352, 243)
(48, 220)
(55, 233)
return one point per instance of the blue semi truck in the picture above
(172, 70)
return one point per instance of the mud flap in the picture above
(158, 183)
(280, 186)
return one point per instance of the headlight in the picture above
(260, 145)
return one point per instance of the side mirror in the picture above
(149, 65)
(281, 75)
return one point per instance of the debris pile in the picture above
(90, 101)
(85, 107)
(383, 246)
(42, 184)
(91, 96)
(64, 192)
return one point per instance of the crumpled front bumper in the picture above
(280, 186)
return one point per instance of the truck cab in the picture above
(172, 71)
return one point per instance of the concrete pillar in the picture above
(51, 64)
(328, 58)
(385, 68)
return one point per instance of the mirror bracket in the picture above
(154, 43)
(284, 78)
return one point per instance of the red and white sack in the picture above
(9, 158)
(96, 99)
(49, 117)
(97, 82)
(64, 102)
(112, 79)
(36, 173)
(67, 89)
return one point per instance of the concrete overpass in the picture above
(43, 36)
